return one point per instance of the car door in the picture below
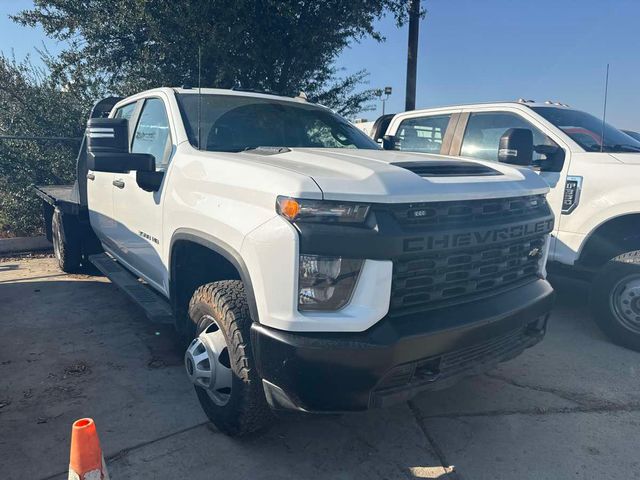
(139, 212)
(100, 192)
(481, 139)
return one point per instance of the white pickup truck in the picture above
(309, 269)
(593, 170)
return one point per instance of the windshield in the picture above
(234, 123)
(586, 130)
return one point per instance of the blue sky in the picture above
(477, 51)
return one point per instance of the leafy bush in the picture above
(35, 104)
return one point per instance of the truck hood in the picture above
(385, 176)
(630, 158)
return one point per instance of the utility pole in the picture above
(412, 54)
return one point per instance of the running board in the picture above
(156, 308)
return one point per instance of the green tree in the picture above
(281, 46)
(35, 104)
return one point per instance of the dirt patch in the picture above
(12, 257)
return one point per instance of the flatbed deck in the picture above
(64, 197)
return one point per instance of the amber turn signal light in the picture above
(289, 207)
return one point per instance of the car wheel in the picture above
(219, 360)
(615, 299)
(66, 243)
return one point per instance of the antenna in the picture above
(604, 110)
(199, 95)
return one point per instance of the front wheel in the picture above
(616, 299)
(220, 363)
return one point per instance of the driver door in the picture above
(139, 212)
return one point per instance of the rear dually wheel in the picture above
(66, 242)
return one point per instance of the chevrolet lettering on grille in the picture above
(475, 238)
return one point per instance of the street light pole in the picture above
(386, 92)
(412, 54)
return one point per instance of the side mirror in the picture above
(516, 147)
(553, 158)
(149, 181)
(108, 135)
(388, 142)
(120, 162)
(108, 148)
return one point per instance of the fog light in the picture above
(326, 283)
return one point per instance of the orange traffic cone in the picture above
(86, 461)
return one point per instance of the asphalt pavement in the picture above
(73, 346)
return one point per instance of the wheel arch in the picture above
(206, 252)
(610, 238)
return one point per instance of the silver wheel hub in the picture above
(207, 363)
(625, 302)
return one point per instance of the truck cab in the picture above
(592, 168)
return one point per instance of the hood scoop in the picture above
(267, 150)
(447, 168)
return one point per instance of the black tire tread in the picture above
(228, 301)
(68, 246)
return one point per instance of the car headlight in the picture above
(326, 283)
(321, 211)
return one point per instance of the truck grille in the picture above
(444, 214)
(434, 279)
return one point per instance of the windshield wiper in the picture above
(624, 147)
(225, 149)
(613, 148)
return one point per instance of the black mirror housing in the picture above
(388, 142)
(120, 162)
(516, 147)
(108, 135)
(108, 148)
(149, 181)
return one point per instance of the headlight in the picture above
(324, 211)
(326, 283)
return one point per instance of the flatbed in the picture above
(63, 197)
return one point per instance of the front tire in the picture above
(66, 242)
(615, 299)
(220, 362)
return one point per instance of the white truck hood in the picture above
(369, 176)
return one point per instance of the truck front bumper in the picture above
(399, 356)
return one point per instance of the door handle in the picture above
(91, 176)
(118, 183)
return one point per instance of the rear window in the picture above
(423, 134)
